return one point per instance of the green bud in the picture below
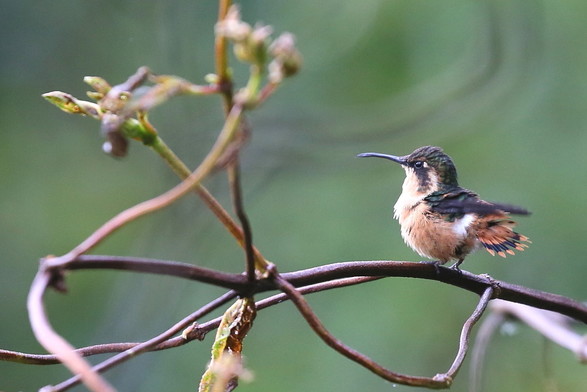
(257, 44)
(63, 101)
(287, 59)
(243, 53)
(211, 78)
(98, 84)
(69, 104)
(94, 95)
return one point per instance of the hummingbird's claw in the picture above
(436, 265)
(455, 266)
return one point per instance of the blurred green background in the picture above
(500, 85)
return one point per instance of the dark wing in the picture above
(516, 210)
(458, 202)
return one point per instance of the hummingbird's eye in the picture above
(419, 164)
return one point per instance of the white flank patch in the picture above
(461, 225)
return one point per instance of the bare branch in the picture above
(237, 199)
(48, 359)
(222, 215)
(322, 275)
(53, 342)
(196, 332)
(466, 280)
(224, 138)
(220, 54)
(149, 344)
(426, 270)
(235, 282)
(202, 329)
(297, 298)
(224, 79)
(465, 335)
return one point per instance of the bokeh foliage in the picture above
(499, 85)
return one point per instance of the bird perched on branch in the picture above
(442, 221)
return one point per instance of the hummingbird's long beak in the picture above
(400, 160)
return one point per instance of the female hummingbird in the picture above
(442, 221)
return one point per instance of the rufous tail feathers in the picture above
(497, 236)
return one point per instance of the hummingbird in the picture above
(444, 222)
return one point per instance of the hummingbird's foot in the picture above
(436, 265)
(455, 266)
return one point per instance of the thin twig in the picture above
(53, 342)
(235, 282)
(199, 331)
(266, 92)
(237, 200)
(276, 299)
(234, 167)
(183, 171)
(48, 359)
(221, 58)
(466, 333)
(149, 344)
(297, 298)
(224, 138)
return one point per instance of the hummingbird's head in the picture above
(428, 168)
